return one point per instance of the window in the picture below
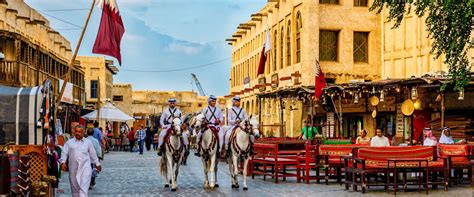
(328, 45)
(361, 46)
(282, 37)
(360, 3)
(93, 88)
(288, 44)
(118, 98)
(329, 1)
(275, 36)
(299, 25)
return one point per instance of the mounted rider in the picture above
(236, 115)
(213, 117)
(166, 120)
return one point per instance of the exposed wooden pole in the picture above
(443, 108)
(282, 126)
(73, 59)
(98, 100)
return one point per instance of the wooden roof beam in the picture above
(244, 27)
(230, 40)
(237, 36)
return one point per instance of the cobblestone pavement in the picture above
(130, 174)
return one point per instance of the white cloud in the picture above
(187, 49)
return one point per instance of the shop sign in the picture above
(275, 81)
(261, 83)
(67, 96)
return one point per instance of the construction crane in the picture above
(198, 85)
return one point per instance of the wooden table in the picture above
(394, 167)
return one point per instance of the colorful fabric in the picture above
(445, 150)
(309, 132)
(141, 134)
(380, 155)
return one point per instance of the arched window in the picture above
(299, 25)
(275, 36)
(282, 38)
(288, 44)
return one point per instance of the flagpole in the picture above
(73, 59)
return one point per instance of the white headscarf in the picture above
(445, 139)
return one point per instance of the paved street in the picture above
(130, 174)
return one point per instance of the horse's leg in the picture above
(206, 170)
(244, 173)
(235, 159)
(231, 168)
(165, 175)
(174, 185)
(170, 169)
(215, 171)
(212, 170)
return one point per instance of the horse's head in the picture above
(176, 126)
(197, 122)
(251, 125)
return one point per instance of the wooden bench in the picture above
(329, 157)
(375, 160)
(459, 157)
(267, 155)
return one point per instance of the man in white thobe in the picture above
(166, 120)
(379, 140)
(80, 153)
(236, 115)
(214, 117)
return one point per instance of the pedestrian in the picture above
(141, 135)
(79, 153)
(131, 139)
(155, 140)
(379, 140)
(98, 133)
(213, 116)
(148, 138)
(98, 150)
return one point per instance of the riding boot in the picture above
(160, 150)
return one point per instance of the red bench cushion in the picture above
(377, 157)
(446, 150)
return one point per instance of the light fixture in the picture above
(373, 89)
(414, 93)
(397, 89)
(438, 98)
(382, 96)
(324, 101)
(417, 104)
(2, 56)
(461, 94)
(356, 98)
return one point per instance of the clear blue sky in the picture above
(163, 35)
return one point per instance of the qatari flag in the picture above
(110, 32)
(267, 46)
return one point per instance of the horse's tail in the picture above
(164, 167)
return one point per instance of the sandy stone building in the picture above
(33, 51)
(342, 35)
(146, 102)
(351, 44)
(98, 78)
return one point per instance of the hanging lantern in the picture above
(397, 89)
(417, 104)
(461, 94)
(324, 101)
(356, 98)
(373, 89)
(360, 94)
(414, 93)
(382, 96)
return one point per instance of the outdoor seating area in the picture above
(392, 168)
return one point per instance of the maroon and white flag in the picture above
(110, 32)
(319, 81)
(263, 57)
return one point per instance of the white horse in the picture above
(174, 154)
(209, 147)
(239, 148)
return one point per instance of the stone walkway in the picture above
(130, 174)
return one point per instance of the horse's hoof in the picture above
(173, 189)
(213, 188)
(216, 185)
(233, 186)
(246, 188)
(166, 186)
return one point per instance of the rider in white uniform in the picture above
(166, 120)
(236, 115)
(213, 116)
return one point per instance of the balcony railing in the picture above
(9, 73)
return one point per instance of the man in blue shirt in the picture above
(141, 134)
(97, 134)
